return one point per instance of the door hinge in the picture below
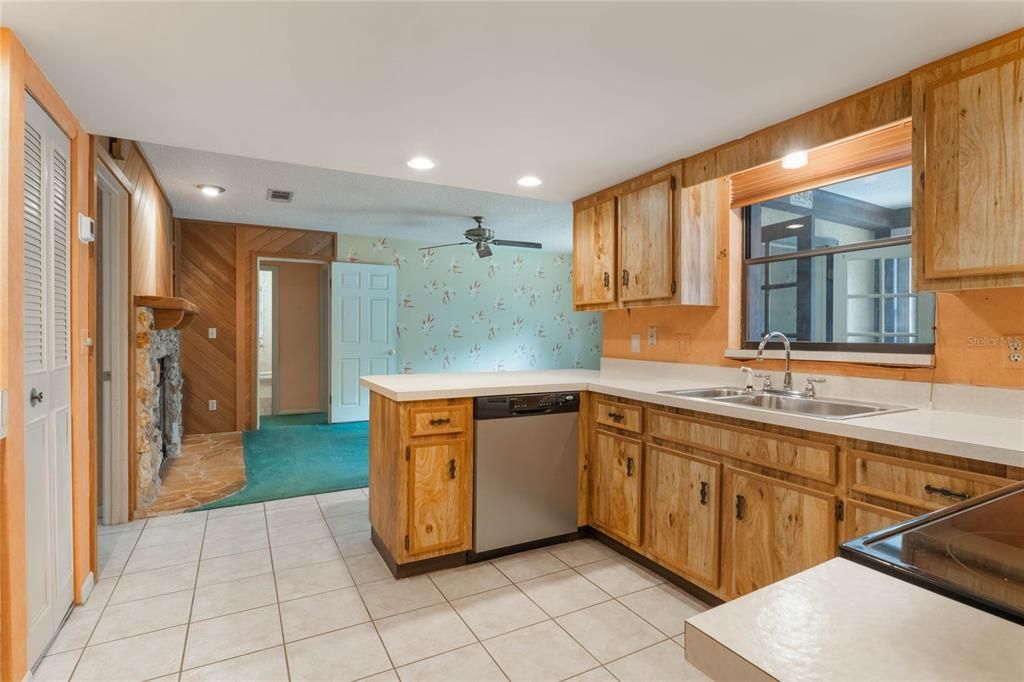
(673, 286)
(407, 542)
(407, 454)
(840, 510)
(673, 183)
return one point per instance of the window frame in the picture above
(836, 346)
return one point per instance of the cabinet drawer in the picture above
(806, 458)
(926, 486)
(433, 421)
(619, 415)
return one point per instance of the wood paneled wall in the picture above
(18, 74)
(215, 266)
(152, 224)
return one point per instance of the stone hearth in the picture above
(155, 437)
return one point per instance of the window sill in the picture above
(890, 359)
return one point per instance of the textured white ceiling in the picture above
(349, 203)
(581, 94)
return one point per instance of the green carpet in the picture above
(274, 421)
(301, 460)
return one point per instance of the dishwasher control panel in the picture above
(498, 407)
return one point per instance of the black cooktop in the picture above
(972, 552)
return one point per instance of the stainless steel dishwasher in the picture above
(525, 469)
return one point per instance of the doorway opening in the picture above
(292, 342)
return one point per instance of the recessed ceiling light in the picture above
(794, 226)
(211, 190)
(794, 160)
(420, 163)
(529, 181)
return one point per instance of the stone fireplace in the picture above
(158, 390)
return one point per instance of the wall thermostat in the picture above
(86, 229)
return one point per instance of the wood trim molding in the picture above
(20, 75)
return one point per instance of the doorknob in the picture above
(391, 351)
(35, 397)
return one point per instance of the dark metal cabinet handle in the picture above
(440, 421)
(636, 278)
(704, 493)
(35, 397)
(741, 507)
(607, 279)
(629, 467)
(617, 417)
(625, 278)
(946, 492)
(451, 468)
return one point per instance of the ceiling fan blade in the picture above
(441, 246)
(523, 245)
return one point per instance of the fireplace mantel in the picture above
(169, 312)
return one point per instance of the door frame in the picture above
(112, 427)
(264, 259)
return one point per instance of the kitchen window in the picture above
(830, 266)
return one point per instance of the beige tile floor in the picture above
(294, 590)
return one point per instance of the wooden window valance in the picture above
(871, 152)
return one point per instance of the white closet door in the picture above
(364, 305)
(47, 354)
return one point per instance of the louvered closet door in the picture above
(47, 355)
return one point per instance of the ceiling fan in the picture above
(484, 238)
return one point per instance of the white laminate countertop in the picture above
(843, 621)
(996, 439)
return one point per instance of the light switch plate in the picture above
(652, 336)
(212, 405)
(634, 343)
(211, 333)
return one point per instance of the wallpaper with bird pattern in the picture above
(461, 313)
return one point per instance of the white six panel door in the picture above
(364, 305)
(47, 358)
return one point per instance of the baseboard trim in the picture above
(654, 567)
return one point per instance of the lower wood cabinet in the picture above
(775, 529)
(683, 497)
(615, 485)
(862, 518)
(439, 494)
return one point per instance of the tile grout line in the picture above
(277, 595)
(191, 606)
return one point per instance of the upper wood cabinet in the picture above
(657, 240)
(593, 253)
(969, 170)
(773, 530)
(615, 482)
(646, 238)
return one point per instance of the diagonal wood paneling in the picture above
(215, 269)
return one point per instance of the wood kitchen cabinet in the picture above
(421, 480)
(682, 499)
(968, 156)
(862, 518)
(657, 242)
(773, 529)
(615, 485)
(594, 231)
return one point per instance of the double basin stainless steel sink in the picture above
(794, 403)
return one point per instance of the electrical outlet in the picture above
(652, 336)
(634, 343)
(1013, 356)
(212, 405)
(211, 333)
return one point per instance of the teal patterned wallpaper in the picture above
(460, 313)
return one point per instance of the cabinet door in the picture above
(439, 495)
(615, 486)
(682, 499)
(701, 209)
(974, 171)
(593, 254)
(646, 243)
(773, 530)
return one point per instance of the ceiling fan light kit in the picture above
(483, 239)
